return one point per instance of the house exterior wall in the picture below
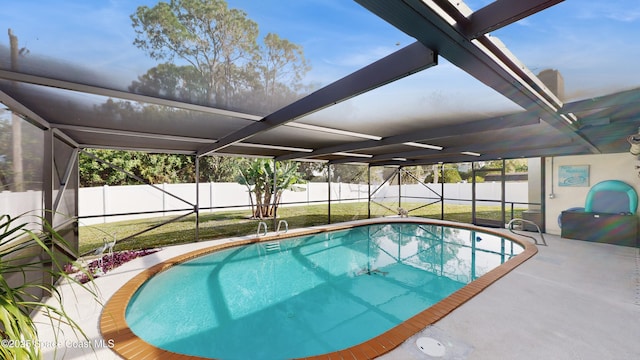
(602, 167)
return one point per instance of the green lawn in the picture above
(237, 223)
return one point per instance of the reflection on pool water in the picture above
(309, 295)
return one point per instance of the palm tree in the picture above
(258, 177)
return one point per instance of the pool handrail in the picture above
(510, 227)
(265, 228)
(286, 226)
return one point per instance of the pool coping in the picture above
(113, 325)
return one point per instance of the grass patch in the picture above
(226, 224)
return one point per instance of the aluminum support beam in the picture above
(483, 59)
(65, 179)
(497, 123)
(522, 153)
(17, 107)
(501, 13)
(329, 193)
(404, 62)
(368, 191)
(96, 90)
(196, 206)
(95, 130)
(275, 195)
(141, 149)
(65, 138)
(618, 99)
(48, 176)
(453, 151)
(67, 85)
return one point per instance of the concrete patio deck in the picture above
(573, 300)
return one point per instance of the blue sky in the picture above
(100, 31)
(592, 42)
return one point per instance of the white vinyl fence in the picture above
(18, 203)
(143, 198)
(459, 193)
(98, 201)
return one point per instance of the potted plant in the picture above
(26, 252)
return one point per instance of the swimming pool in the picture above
(315, 294)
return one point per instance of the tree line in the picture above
(176, 169)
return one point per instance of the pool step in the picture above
(272, 246)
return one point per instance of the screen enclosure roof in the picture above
(383, 82)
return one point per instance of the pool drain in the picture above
(431, 346)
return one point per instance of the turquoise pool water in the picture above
(309, 295)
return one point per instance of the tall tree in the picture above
(175, 82)
(208, 54)
(510, 165)
(220, 168)
(418, 173)
(95, 173)
(18, 176)
(204, 34)
(451, 174)
(348, 173)
(212, 56)
(166, 168)
(30, 154)
(153, 168)
(281, 65)
(312, 171)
